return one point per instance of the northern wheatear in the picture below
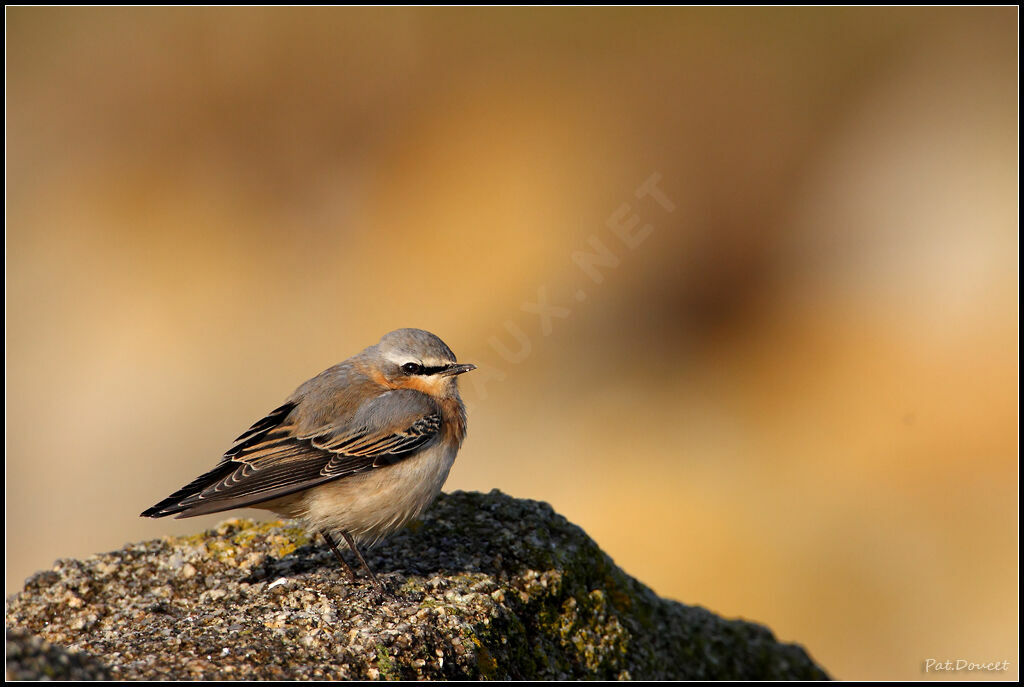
(360, 449)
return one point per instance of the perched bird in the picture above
(360, 449)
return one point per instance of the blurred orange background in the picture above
(791, 396)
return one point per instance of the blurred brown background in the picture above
(795, 400)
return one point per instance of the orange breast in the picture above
(454, 414)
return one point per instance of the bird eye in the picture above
(412, 368)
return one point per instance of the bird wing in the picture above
(282, 454)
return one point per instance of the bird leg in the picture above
(337, 554)
(373, 577)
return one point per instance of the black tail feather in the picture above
(172, 504)
(252, 436)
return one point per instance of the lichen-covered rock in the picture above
(485, 586)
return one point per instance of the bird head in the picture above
(416, 359)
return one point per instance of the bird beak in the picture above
(453, 370)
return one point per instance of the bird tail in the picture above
(173, 503)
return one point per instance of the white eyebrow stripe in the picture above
(400, 359)
(403, 358)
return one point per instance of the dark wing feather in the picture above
(259, 431)
(171, 504)
(271, 460)
(361, 451)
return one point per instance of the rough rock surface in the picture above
(32, 658)
(485, 586)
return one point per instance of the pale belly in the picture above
(372, 504)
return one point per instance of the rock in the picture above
(485, 586)
(32, 658)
